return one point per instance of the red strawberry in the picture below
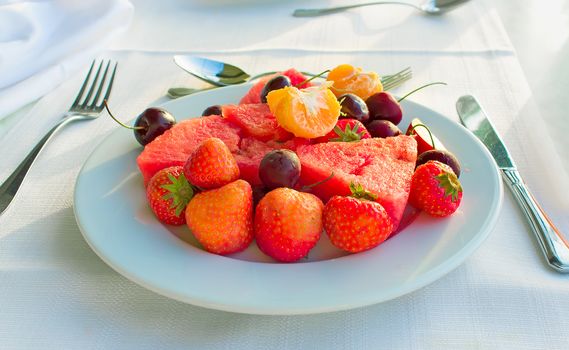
(356, 223)
(346, 130)
(168, 192)
(222, 219)
(435, 189)
(211, 165)
(288, 223)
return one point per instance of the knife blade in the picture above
(551, 241)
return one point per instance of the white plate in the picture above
(112, 214)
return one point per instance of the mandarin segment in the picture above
(347, 79)
(308, 113)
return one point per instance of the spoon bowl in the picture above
(428, 7)
(213, 72)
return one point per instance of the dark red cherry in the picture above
(149, 124)
(442, 156)
(152, 123)
(382, 128)
(259, 191)
(353, 107)
(278, 82)
(383, 106)
(279, 168)
(212, 110)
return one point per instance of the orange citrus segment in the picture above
(349, 79)
(308, 113)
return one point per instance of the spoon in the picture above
(217, 73)
(429, 7)
(213, 72)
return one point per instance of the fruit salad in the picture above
(295, 159)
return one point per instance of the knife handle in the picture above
(553, 245)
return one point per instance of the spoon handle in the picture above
(330, 10)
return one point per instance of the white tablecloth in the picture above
(56, 293)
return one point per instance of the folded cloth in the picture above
(43, 42)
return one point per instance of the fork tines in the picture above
(394, 80)
(92, 101)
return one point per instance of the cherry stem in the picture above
(307, 187)
(310, 79)
(421, 87)
(118, 121)
(428, 130)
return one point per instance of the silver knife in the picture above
(553, 245)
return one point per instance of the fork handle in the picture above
(554, 246)
(330, 10)
(10, 187)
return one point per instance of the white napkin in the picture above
(43, 42)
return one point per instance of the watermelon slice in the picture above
(176, 144)
(254, 94)
(381, 166)
(256, 120)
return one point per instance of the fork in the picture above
(394, 80)
(85, 107)
(388, 81)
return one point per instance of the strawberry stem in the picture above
(310, 79)
(358, 191)
(428, 130)
(118, 121)
(180, 192)
(449, 182)
(307, 187)
(421, 87)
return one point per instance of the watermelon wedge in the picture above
(254, 94)
(256, 120)
(176, 144)
(381, 166)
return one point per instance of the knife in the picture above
(554, 246)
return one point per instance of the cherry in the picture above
(150, 124)
(426, 140)
(278, 82)
(382, 128)
(212, 110)
(442, 156)
(383, 106)
(280, 168)
(259, 191)
(353, 107)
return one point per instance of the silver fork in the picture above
(85, 107)
(394, 80)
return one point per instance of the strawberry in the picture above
(346, 130)
(356, 223)
(288, 223)
(435, 189)
(168, 192)
(211, 165)
(222, 219)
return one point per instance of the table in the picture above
(56, 293)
